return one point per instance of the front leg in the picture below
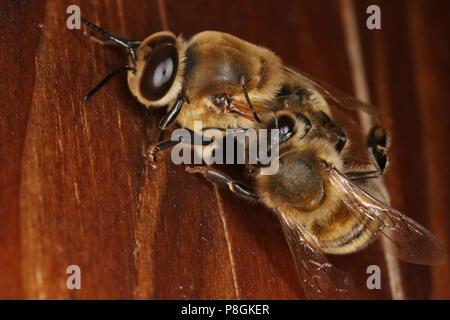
(221, 179)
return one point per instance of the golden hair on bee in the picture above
(153, 86)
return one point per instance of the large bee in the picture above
(327, 207)
(217, 78)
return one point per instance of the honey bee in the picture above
(225, 82)
(327, 207)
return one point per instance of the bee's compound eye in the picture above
(159, 73)
(286, 125)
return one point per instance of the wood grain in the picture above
(74, 187)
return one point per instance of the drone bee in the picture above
(327, 207)
(224, 81)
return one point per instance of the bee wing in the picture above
(342, 99)
(411, 242)
(319, 278)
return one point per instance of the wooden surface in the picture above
(74, 188)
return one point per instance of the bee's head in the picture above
(291, 125)
(159, 68)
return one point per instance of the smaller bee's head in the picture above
(158, 77)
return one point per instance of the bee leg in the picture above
(170, 116)
(327, 123)
(110, 43)
(361, 175)
(221, 179)
(377, 148)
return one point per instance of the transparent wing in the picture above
(342, 99)
(411, 242)
(319, 278)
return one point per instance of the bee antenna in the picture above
(248, 99)
(107, 78)
(112, 38)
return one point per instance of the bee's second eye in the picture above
(159, 73)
